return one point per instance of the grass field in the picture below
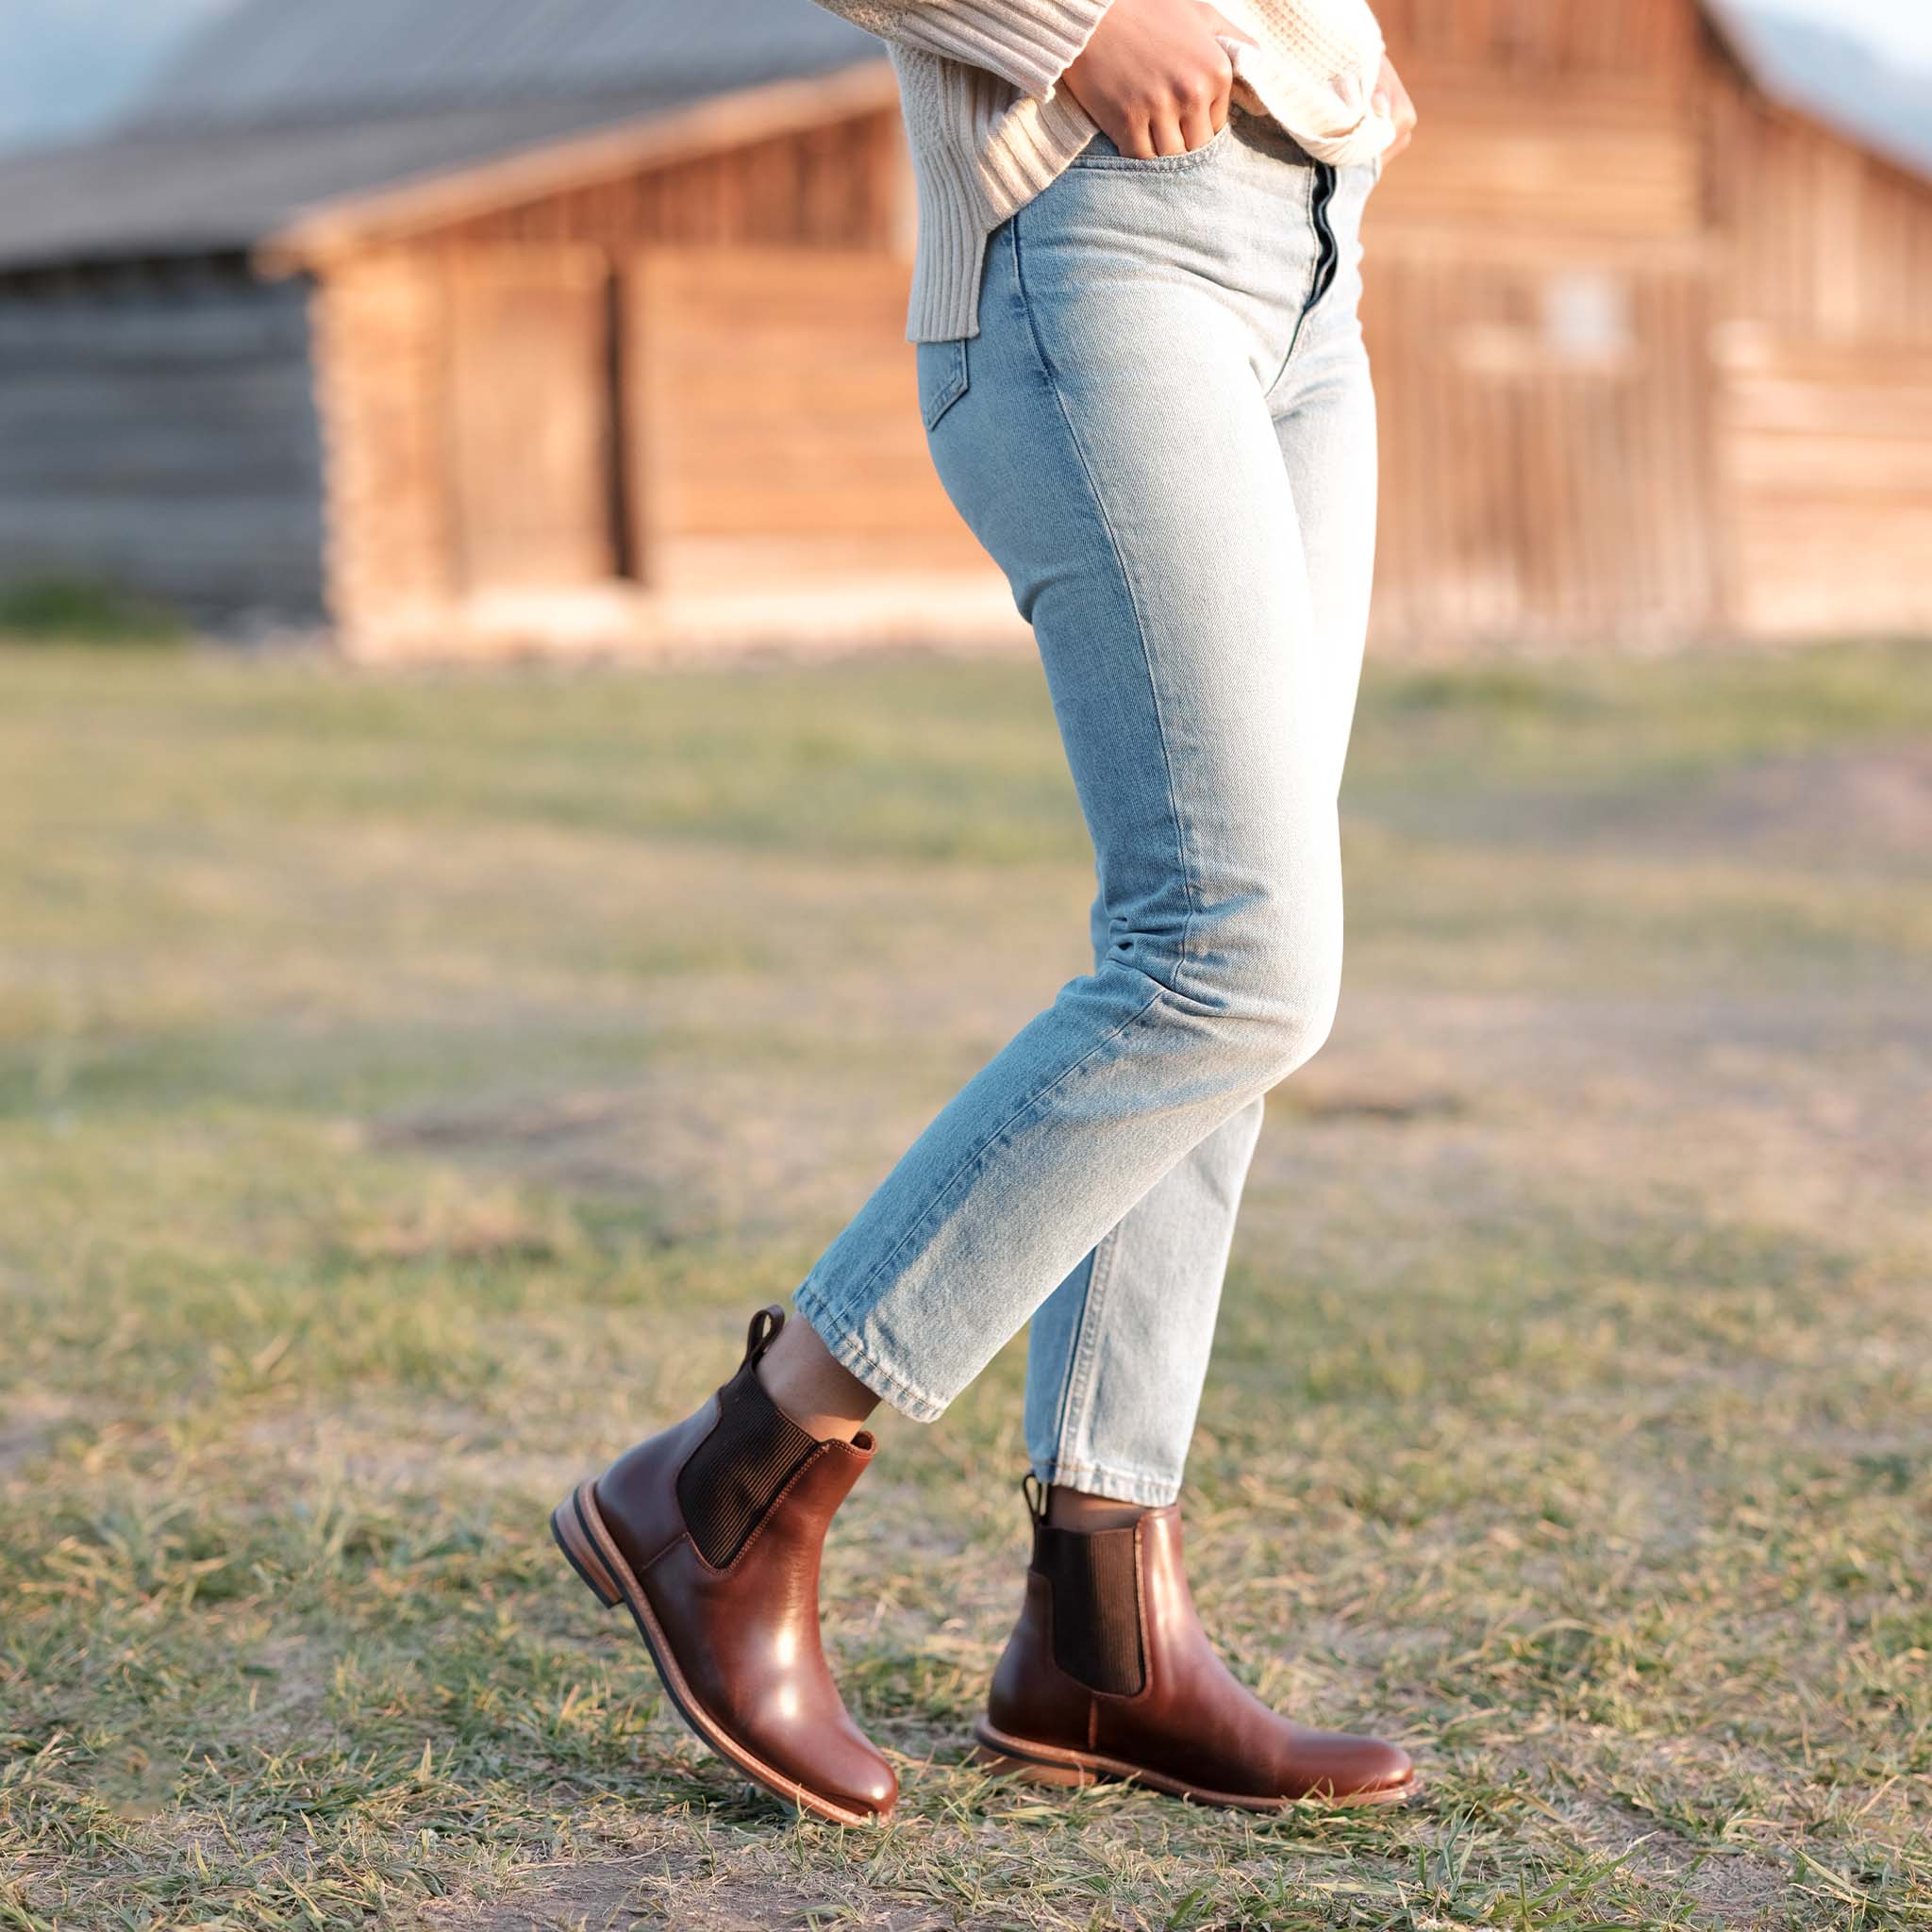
(407, 1087)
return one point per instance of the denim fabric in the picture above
(1164, 433)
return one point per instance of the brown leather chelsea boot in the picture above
(1109, 1675)
(710, 1534)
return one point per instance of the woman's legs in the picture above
(1110, 436)
(1118, 1353)
(1116, 435)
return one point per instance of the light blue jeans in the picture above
(1164, 433)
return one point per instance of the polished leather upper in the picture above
(746, 1635)
(1191, 1722)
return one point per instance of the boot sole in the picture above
(587, 1548)
(1054, 1764)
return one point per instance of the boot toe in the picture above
(855, 1778)
(1393, 1770)
(1370, 1768)
(877, 1791)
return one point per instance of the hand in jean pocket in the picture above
(1155, 78)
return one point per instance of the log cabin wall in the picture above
(693, 369)
(1655, 358)
(379, 359)
(1537, 314)
(158, 431)
(777, 439)
(839, 186)
(1823, 370)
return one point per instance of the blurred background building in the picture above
(465, 326)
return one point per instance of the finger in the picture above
(1166, 134)
(1199, 126)
(1134, 140)
(1223, 96)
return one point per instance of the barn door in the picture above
(1546, 447)
(531, 422)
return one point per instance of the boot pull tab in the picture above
(763, 1331)
(1035, 1492)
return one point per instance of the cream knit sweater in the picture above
(989, 126)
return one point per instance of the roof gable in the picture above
(279, 107)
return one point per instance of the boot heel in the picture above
(1028, 1770)
(580, 1553)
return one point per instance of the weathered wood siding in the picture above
(1546, 465)
(1537, 314)
(840, 186)
(774, 425)
(1656, 43)
(696, 369)
(1821, 241)
(1824, 367)
(531, 429)
(1651, 354)
(466, 399)
(1826, 464)
(160, 435)
(379, 355)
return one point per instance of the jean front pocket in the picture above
(942, 378)
(1101, 153)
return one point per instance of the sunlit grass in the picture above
(407, 1088)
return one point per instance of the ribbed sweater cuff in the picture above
(1030, 42)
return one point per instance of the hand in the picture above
(1390, 101)
(1154, 78)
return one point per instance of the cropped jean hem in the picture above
(1117, 1485)
(845, 1348)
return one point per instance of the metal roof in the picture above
(279, 107)
(135, 196)
(271, 62)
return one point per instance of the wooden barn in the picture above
(472, 324)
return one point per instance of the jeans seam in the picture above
(859, 1294)
(1155, 1489)
(1308, 301)
(1085, 1342)
(1066, 1378)
(1120, 564)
